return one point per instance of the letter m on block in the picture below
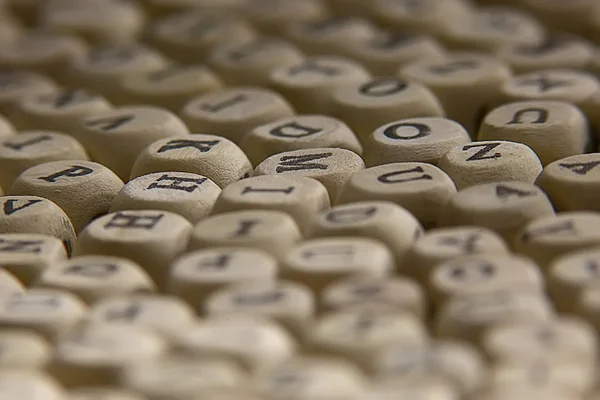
(302, 162)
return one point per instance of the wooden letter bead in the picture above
(317, 263)
(32, 214)
(413, 140)
(60, 111)
(43, 52)
(331, 35)
(420, 188)
(568, 275)
(365, 106)
(467, 317)
(103, 393)
(290, 304)
(359, 292)
(308, 85)
(474, 78)
(215, 157)
(565, 340)
(190, 36)
(235, 112)
(380, 220)
(273, 17)
(196, 275)
(445, 244)
(317, 378)
(573, 183)
(99, 355)
(548, 237)
(116, 137)
(384, 53)
(50, 313)
(504, 207)
(254, 342)
(164, 315)
(91, 184)
(359, 334)
(151, 238)
(251, 63)
(296, 133)
(272, 231)
(490, 161)
(94, 278)
(103, 68)
(181, 376)
(297, 196)
(31, 148)
(330, 166)
(555, 51)
(453, 363)
(29, 385)
(483, 273)
(190, 195)
(552, 129)
(170, 87)
(26, 255)
(23, 350)
(18, 85)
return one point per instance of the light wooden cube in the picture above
(420, 188)
(95, 21)
(398, 293)
(29, 385)
(555, 51)
(296, 133)
(190, 36)
(572, 182)
(103, 393)
(553, 129)
(92, 184)
(60, 111)
(456, 364)
(32, 214)
(330, 35)
(330, 166)
(549, 237)
(190, 195)
(6, 127)
(50, 313)
(308, 85)
(424, 139)
(214, 157)
(254, 342)
(31, 148)
(298, 196)
(468, 317)
(165, 315)
(384, 221)
(318, 262)
(94, 278)
(151, 238)
(234, 112)
(22, 349)
(273, 17)
(366, 106)
(15, 86)
(99, 355)
(490, 161)
(272, 231)
(483, 273)
(290, 304)
(384, 53)
(116, 137)
(503, 207)
(26, 255)
(104, 67)
(317, 377)
(251, 63)
(170, 87)
(472, 77)
(195, 275)
(42, 51)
